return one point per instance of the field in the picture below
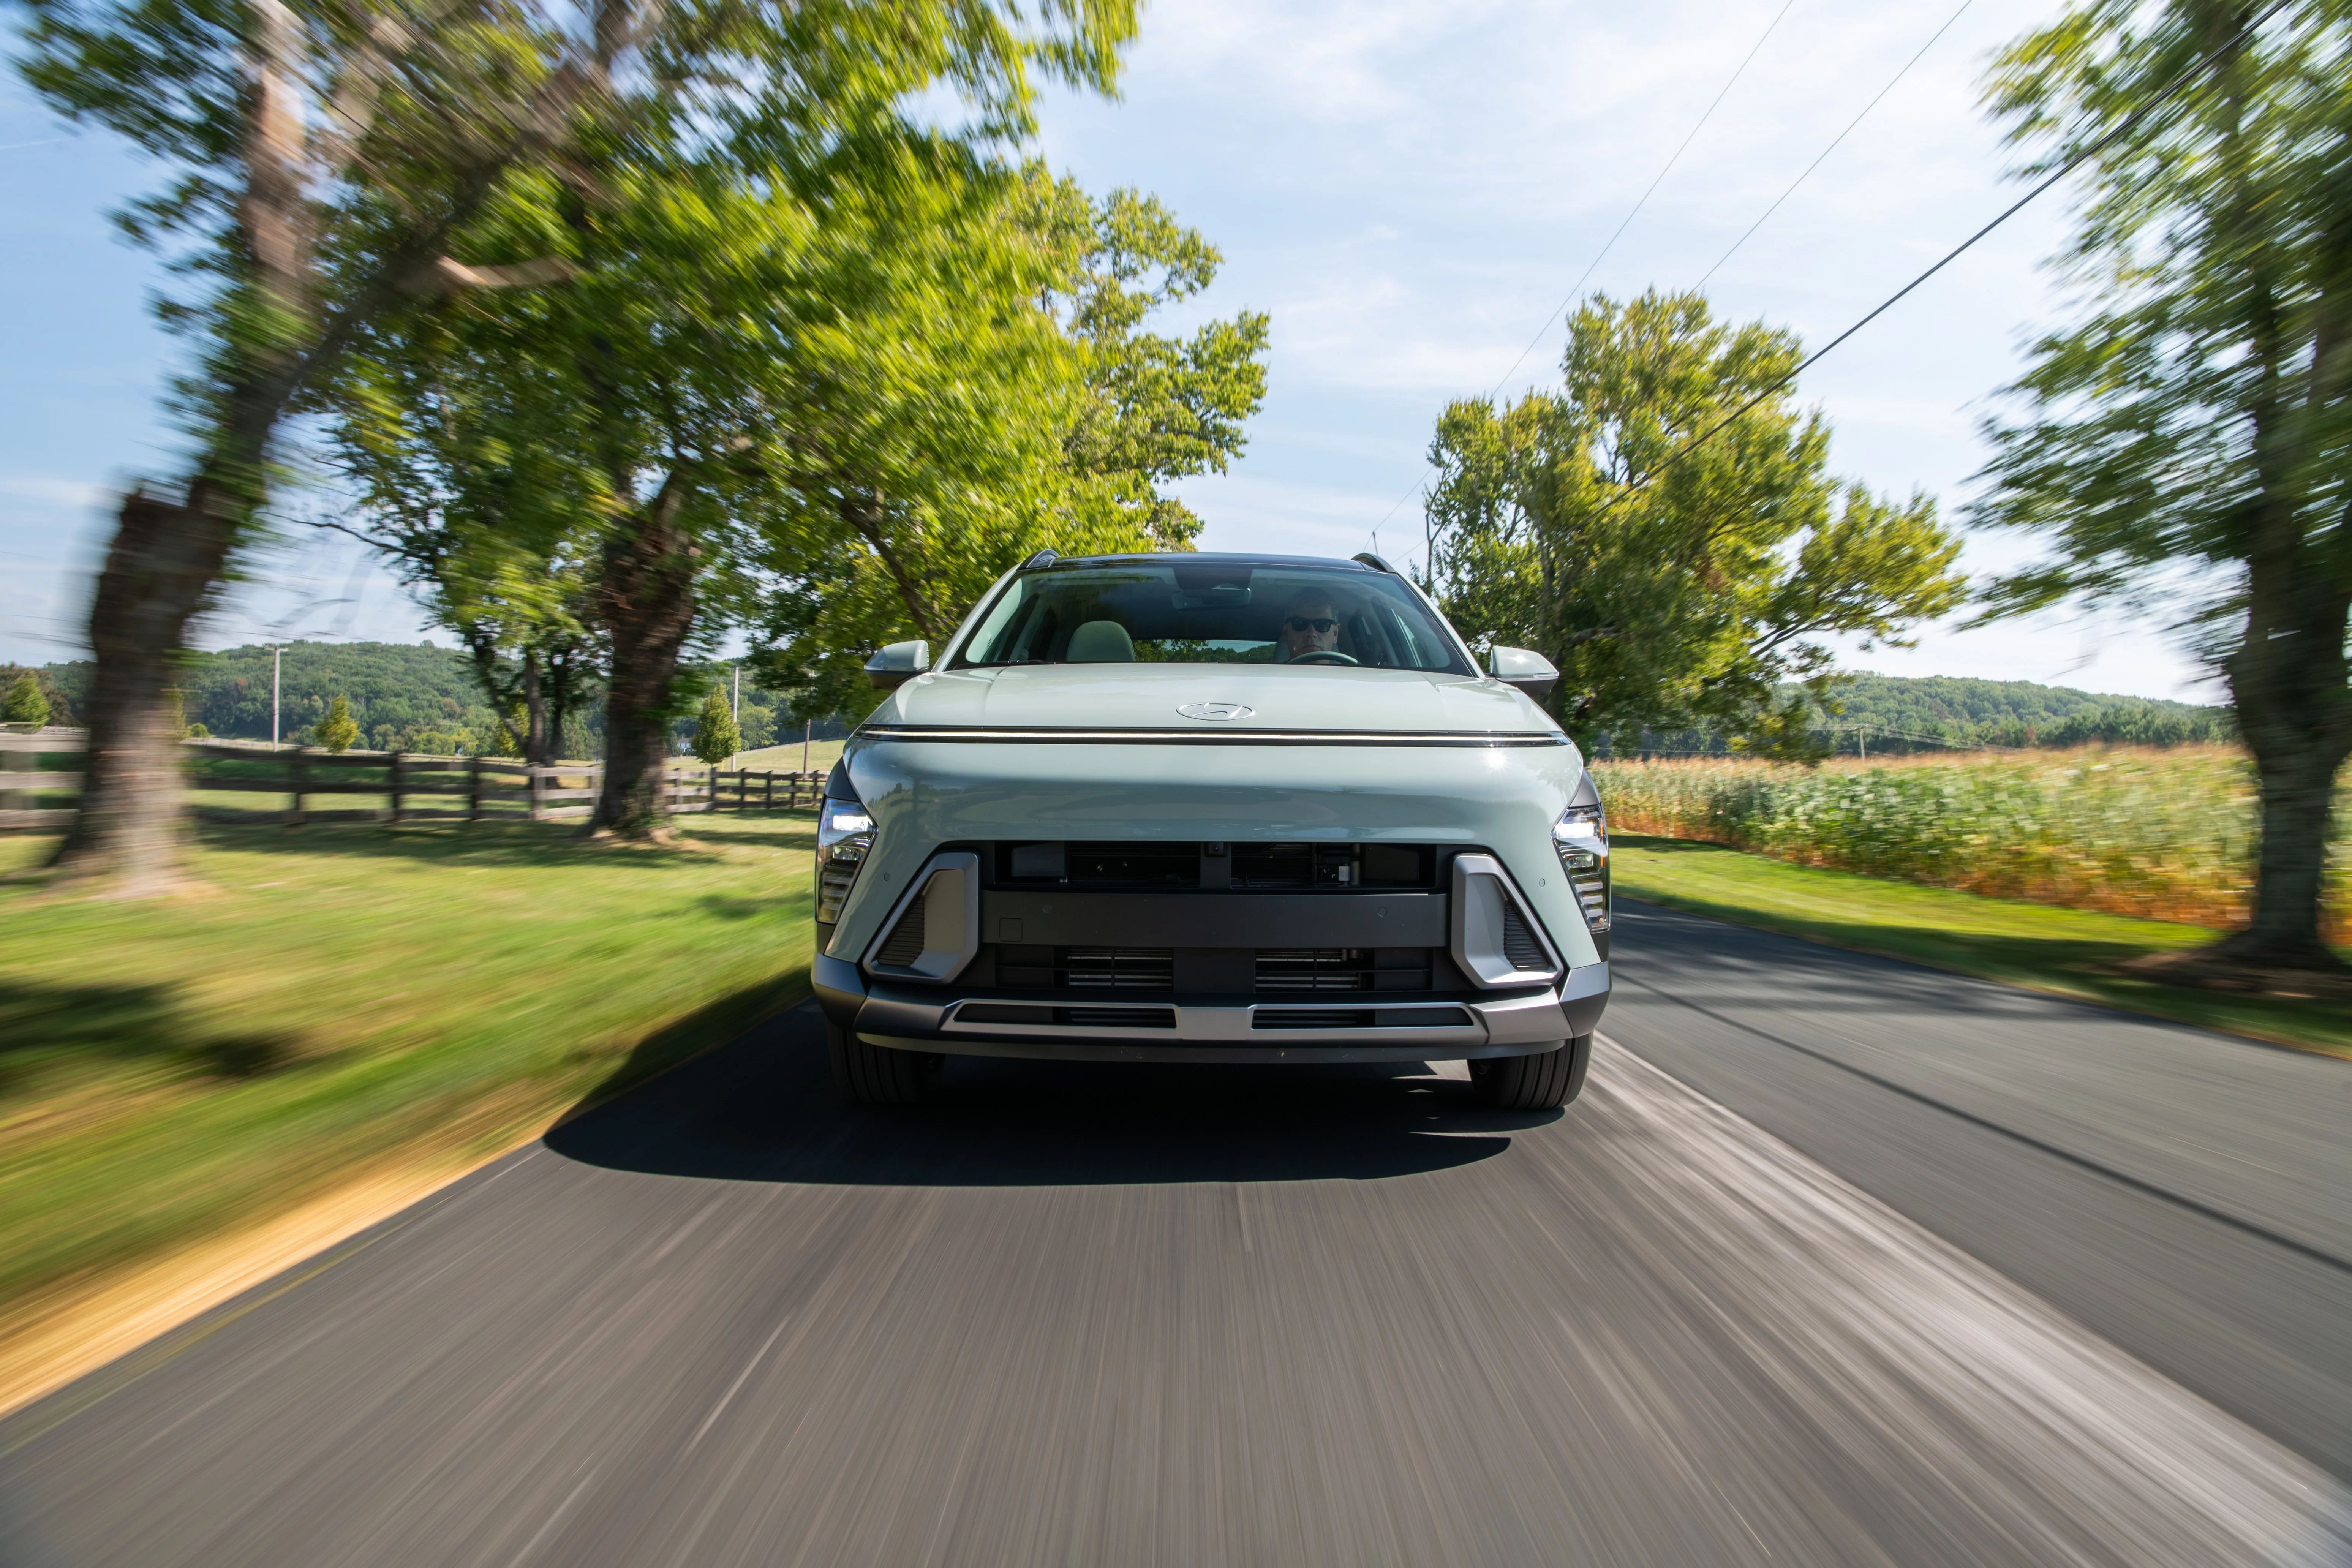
(332, 1002)
(2160, 835)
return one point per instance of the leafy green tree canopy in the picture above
(27, 704)
(715, 736)
(2183, 445)
(337, 729)
(1672, 587)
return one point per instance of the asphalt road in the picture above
(1893, 1269)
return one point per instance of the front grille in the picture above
(1311, 1018)
(1117, 1018)
(1308, 866)
(1115, 969)
(1108, 865)
(1072, 1017)
(1314, 969)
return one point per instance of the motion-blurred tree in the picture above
(27, 704)
(1670, 590)
(337, 729)
(2185, 444)
(715, 736)
(324, 155)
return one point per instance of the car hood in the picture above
(1152, 697)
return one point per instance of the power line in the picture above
(2130, 123)
(1603, 254)
(1833, 147)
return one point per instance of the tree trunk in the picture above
(646, 602)
(163, 560)
(2296, 712)
(535, 747)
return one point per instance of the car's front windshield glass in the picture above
(1210, 613)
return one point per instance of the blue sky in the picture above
(1410, 190)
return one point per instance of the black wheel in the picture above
(877, 1075)
(1543, 1082)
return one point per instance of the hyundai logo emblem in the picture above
(1216, 711)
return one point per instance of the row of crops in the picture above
(2169, 834)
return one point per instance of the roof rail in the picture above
(1368, 559)
(1042, 558)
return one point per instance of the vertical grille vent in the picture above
(1520, 944)
(905, 943)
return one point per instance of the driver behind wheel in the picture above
(1309, 625)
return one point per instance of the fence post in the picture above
(473, 787)
(299, 774)
(395, 787)
(768, 801)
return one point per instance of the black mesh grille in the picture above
(904, 942)
(1314, 969)
(1117, 1018)
(1311, 1018)
(1520, 944)
(1115, 969)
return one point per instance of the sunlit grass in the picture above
(334, 996)
(2076, 953)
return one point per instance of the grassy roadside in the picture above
(333, 1000)
(2071, 951)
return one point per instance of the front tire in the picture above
(877, 1075)
(1542, 1082)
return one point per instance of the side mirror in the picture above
(1531, 671)
(897, 664)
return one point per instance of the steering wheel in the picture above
(1322, 655)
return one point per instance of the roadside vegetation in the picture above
(2163, 835)
(2099, 957)
(332, 1002)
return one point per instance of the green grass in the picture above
(336, 998)
(2074, 953)
(786, 759)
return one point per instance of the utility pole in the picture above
(735, 709)
(276, 654)
(808, 727)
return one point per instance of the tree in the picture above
(715, 738)
(2184, 445)
(27, 702)
(323, 156)
(770, 281)
(1674, 585)
(337, 730)
(1090, 416)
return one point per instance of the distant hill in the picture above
(1923, 709)
(411, 696)
(1895, 713)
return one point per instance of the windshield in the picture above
(1212, 612)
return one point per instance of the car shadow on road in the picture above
(763, 1109)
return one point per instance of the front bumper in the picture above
(1405, 1026)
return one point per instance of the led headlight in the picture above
(1582, 836)
(845, 834)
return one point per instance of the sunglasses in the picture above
(1306, 624)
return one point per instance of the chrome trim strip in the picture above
(1008, 736)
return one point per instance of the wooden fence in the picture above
(37, 779)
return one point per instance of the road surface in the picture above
(1837, 1261)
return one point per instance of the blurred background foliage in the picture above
(2168, 834)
